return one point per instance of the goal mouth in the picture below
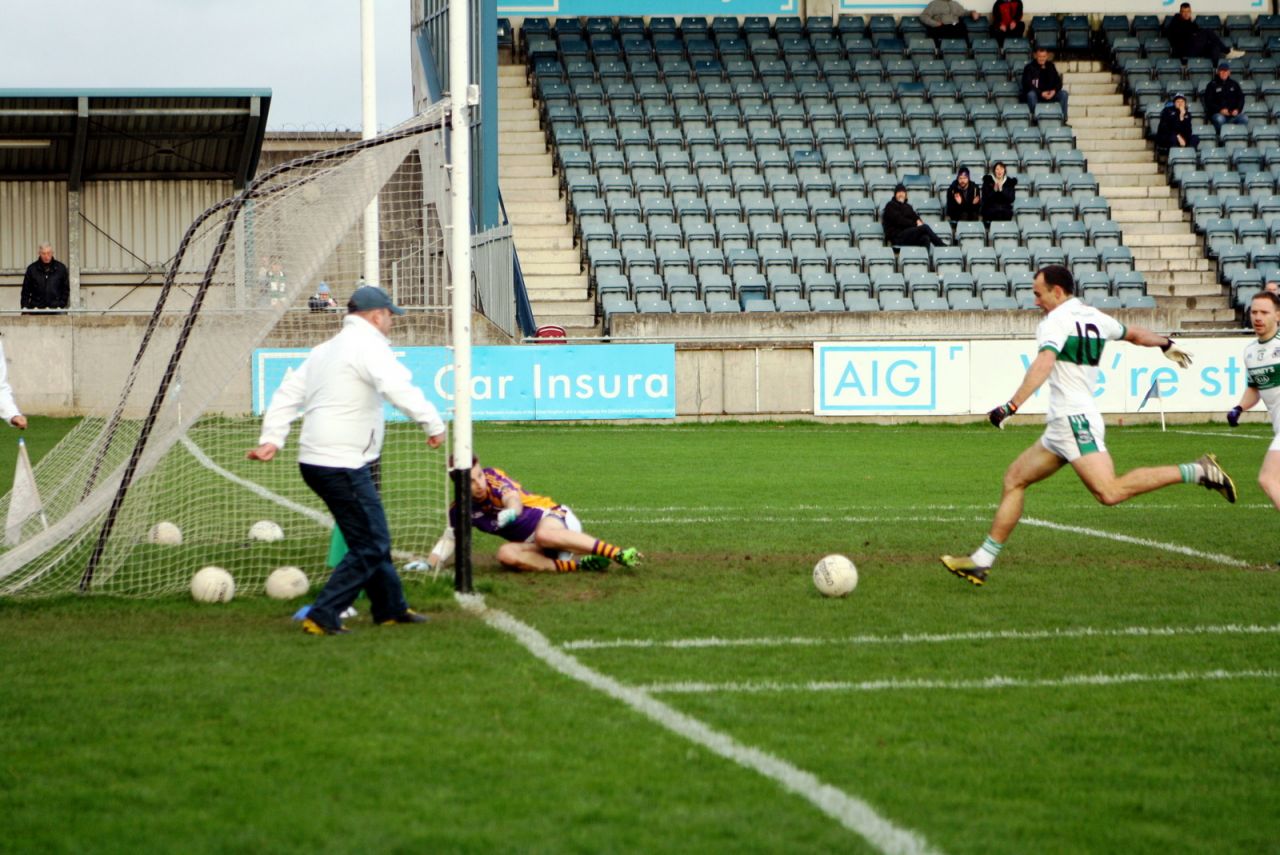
(170, 446)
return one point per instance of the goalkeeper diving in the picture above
(542, 535)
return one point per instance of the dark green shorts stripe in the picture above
(1083, 434)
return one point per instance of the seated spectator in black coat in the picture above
(1224, 99)
(903, 226)
(941, 19)
(1006, 20)
(964, 199)
(998, 191)
(1174, 130)
(1042, 84)
(1188, 39)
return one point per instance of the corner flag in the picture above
(1153, 392)
(24, 501)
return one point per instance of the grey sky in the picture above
(306, 51)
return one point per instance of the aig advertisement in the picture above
(617, 381)
(947, 378)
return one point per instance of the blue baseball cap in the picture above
(368, 297)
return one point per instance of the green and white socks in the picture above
(1192, 473)
(986, 554)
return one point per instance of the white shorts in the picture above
(1072, 437)
(1275, 444)
(571, 522)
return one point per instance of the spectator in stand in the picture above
(1174, 130)
(903, 226)
(1224, 99)
(1006, 20)
(1041, 82)
(941, 19)
(1272, 286)
(47, 284)
(322, 300)
(998, 191)
(964, 199)
(1188, 39)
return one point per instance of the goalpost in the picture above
(171, 446)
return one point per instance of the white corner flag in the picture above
(1154, 392)
(24, 501)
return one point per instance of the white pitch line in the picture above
(926, 638)
(253, 487)
(1224, 434)
(1216, 557)
(994, 682)
(758, 518)
(850, 811)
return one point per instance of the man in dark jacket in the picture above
(964, 200)
(1188, 39)
(1224, 99)
(1042, 84)
(47, 284)
(1174, 130)
(903, 226)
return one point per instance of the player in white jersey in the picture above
(1070, 341)
(1262, 361)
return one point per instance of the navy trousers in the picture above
(352, 497)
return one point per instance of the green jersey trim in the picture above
(1044, 347)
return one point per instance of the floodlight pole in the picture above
(369, 130)
(460, 94)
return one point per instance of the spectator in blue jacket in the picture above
(1224, 99)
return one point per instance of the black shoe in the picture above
(409, 616)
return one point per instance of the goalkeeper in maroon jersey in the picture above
(541, 534)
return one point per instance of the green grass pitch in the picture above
(1140, 651)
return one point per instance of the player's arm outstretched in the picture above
(1144, 337)
(285, 407)
(1036, 374)
(512, 507)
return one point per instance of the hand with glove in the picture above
(1176, 354)
(507, 516)
(1002, 412)
(1233, 415)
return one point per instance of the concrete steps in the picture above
(1155, 228)
(543, 234)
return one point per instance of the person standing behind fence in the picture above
(339, 391)
(47, 284)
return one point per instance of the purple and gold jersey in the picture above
(484, 512)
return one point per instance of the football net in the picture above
(171, 446)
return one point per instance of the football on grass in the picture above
(212, 585)
(835, 576)
(165, 534)
(287, 583)
(266, 531)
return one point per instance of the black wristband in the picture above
(1168, 343)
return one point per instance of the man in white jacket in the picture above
(339, 391)
(8, 406)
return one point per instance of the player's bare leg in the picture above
(1269, 477)
(1034, 464)
(526, 557)
(1098, 474)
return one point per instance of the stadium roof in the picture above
(78, 135)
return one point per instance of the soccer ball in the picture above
(212, 585)
(165, 534)
(266, 531)
(835, 576)
(286, 583)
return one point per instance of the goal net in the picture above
(171, 446)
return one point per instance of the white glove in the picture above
(506, 517)
(416, 566)
(1176, 354)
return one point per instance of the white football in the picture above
(287, 583)
(835, 576)
(212, 585)
(165, 533)
(266, 531)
